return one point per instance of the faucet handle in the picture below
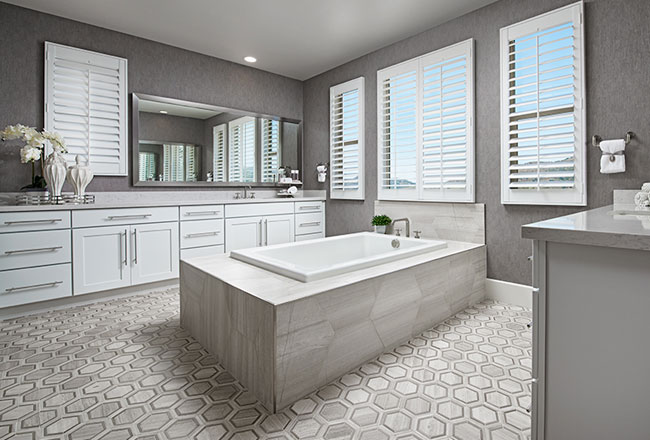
(398, 232)
(238, 195)
(416, 234)
(252, 194)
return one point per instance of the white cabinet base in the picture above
(154, 252)
(23, 286)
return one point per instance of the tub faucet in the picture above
(407, 222)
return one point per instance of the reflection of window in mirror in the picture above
(173, 163)
(271, 148)
(147, 166)
(241, 150)
(219, 153)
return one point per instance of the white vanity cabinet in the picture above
(109, 257)
(259, 224)
(201, 230)
(310, 220)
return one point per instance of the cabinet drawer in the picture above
(201, 233)
(309, 223)
(202, 251)
(302, 207)
(310, 236)
(201, 212)
(34, 221)
(28, 249)
(256, 209)
(130, 216)
(23, 286)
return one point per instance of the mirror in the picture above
(185, 143)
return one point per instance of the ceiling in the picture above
(175, 109)
(295, 38)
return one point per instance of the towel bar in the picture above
(595, 139)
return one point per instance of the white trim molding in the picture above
(507, 292)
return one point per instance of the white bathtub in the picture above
(317, 259)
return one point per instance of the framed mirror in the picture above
(181, 143)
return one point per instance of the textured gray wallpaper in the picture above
(618, 81)
(153, 68)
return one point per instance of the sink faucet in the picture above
(246, 189)
(407, 222)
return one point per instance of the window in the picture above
(85, 101)
(425, 109)
(147, 163)
(173, 163)
(347, 140)
(241, 150)
(219, 153)
(270, 149)
(543, 155)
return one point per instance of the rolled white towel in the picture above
(612, 146)
(641, 198)
(646, 187)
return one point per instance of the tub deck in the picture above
(283, 338)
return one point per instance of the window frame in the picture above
(241, 122)
(337, 90)
(419, 194)
(576, 196)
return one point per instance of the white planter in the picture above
(54, 173)
(380, 229)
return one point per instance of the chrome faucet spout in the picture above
(407, 222)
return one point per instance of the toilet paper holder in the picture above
(595, 139)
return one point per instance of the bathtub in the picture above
(322, 258)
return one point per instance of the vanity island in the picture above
(591, 299)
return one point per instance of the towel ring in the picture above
(595, 139)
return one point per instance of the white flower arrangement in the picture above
(34, 141)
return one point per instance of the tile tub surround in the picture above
(442, 221)
(296, 337)
(125, 369)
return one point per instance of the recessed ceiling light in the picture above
(250, 59)
(164, 112)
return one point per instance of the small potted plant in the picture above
(380, 222)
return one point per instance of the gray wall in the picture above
(618, 81)
(153, 68)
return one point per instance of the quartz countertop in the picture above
(141, 202)
(618, 226)
(277, 289)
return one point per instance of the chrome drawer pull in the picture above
(30, 222)
(201, 234)
(33, 286)
(118, 217)
(309, 224)
(203, 213)
(309, 207)
(24, 251)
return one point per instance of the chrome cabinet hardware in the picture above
(31, 222)
(24, 251)
(130, 216)
(201, 234)
(266, 232)
(304, 208)
(202, 213)
(260, 241)
(309, 224)
(123, 247)
(135, 246)
(33, 286)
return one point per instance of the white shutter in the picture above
(425, 108)
(173, 163)
(542, 110)
(270, 149)
(85, 101)
(347, 140)
(147, 163)
(219, 153)
(191, 163)
(241, 150)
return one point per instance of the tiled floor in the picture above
(125, 369)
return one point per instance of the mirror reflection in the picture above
(199, 143)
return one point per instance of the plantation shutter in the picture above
(147, 163)
(191, 163)
(241, 154)
(173, 162)
(542, 123)
(347, 140)
(425, 127)
(270, 149)
(219, 153)
(85, 101)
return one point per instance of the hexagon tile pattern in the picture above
(125, 369)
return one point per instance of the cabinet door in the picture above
(154, 252)
(242, 233)
(101, 257)
(278, 229)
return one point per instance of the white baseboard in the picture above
(511, 293)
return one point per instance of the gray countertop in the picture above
(619, 226)
(143, 202)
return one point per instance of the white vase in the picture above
(380, 229)
(79, 176)
(54, 173)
